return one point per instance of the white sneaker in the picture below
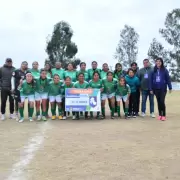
(12, 116)
(21, 120)
(31, 120)
(143, 114)
(39, 118)
(153, 115)
(74, 117)
(2, 117)
(64, 117)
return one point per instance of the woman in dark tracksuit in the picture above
(160, 79)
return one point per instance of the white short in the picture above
(40, 96)
(29, 97)
(107, 96)
(124, 98)
(57, 98)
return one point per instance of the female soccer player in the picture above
(96, 83)
(71, 72)
(55, 96)
(122, 94)
(109, 85)
(105, 69)
(67, 84)
(35, 71)
(48, 70)
(81, 84)
(118, 72)
(158, 85)
(41, 94)
(133, 82)
(27, 90)
(83, 70)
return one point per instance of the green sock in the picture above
(53, 110)
(60, 111)
(44, 113)
(31, 110)
(21, 112)
(98, 113)
(103, 111)
(112, 111)
(126, 111)
(110, 107)
(118, 110)
(91, 114)
(37, 113)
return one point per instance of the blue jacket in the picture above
(133, 82)
(164, 79)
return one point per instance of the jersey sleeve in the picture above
(87, 85)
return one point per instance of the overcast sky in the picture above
(25, 24)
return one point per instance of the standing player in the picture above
(81, 84)
(58, 70)
(41, 94)
(94, 69)
(27, 90)
(119, 72)
(122, 94)
(17, 75)
(71, 72)
(55, 96)
(109, 85)
(105, 69)
(84, 71)
(67, 84)
(35, 71)
(96, 83)
(48, 70)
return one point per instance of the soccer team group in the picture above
(47, 87)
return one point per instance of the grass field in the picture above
(133, 149)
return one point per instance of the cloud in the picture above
(96, 24)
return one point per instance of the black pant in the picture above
(17, 99)
(160, 96)
(133, 102)
(138, 94)
(4, 95)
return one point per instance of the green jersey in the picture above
(55, 89)
(123, 90)
(60, 72)
(27, 89)
(103, 74)
(84, 85)
(71, 74)
(86, 76)
(64, 87)
(109, 86)
(42, 85)
(118, 74)
(35, 73)
(48, 75)
(96, 85)
(91, 71)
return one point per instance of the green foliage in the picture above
(127, 49)
(171, 34)
(156, 50)
(59, 45)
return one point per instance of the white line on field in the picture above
(27, 155)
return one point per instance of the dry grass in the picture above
(136, 149)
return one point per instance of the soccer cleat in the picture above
(143, 114)
(60, 117)
(129, 115)
(31, 119)
(134, 115)
(39, 118)
(112, 117)
(153, 115)
(44, 118)
(21, 120)
(74, 117)
(2, 117)
(163, 118)
(159, 118)
(12, 116)
(53, 117)
(64, 117)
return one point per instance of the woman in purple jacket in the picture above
(160, 79)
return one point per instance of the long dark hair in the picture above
(46, 83)
(117, 64)
(50, 68)
(125, 83)
(162, 64)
